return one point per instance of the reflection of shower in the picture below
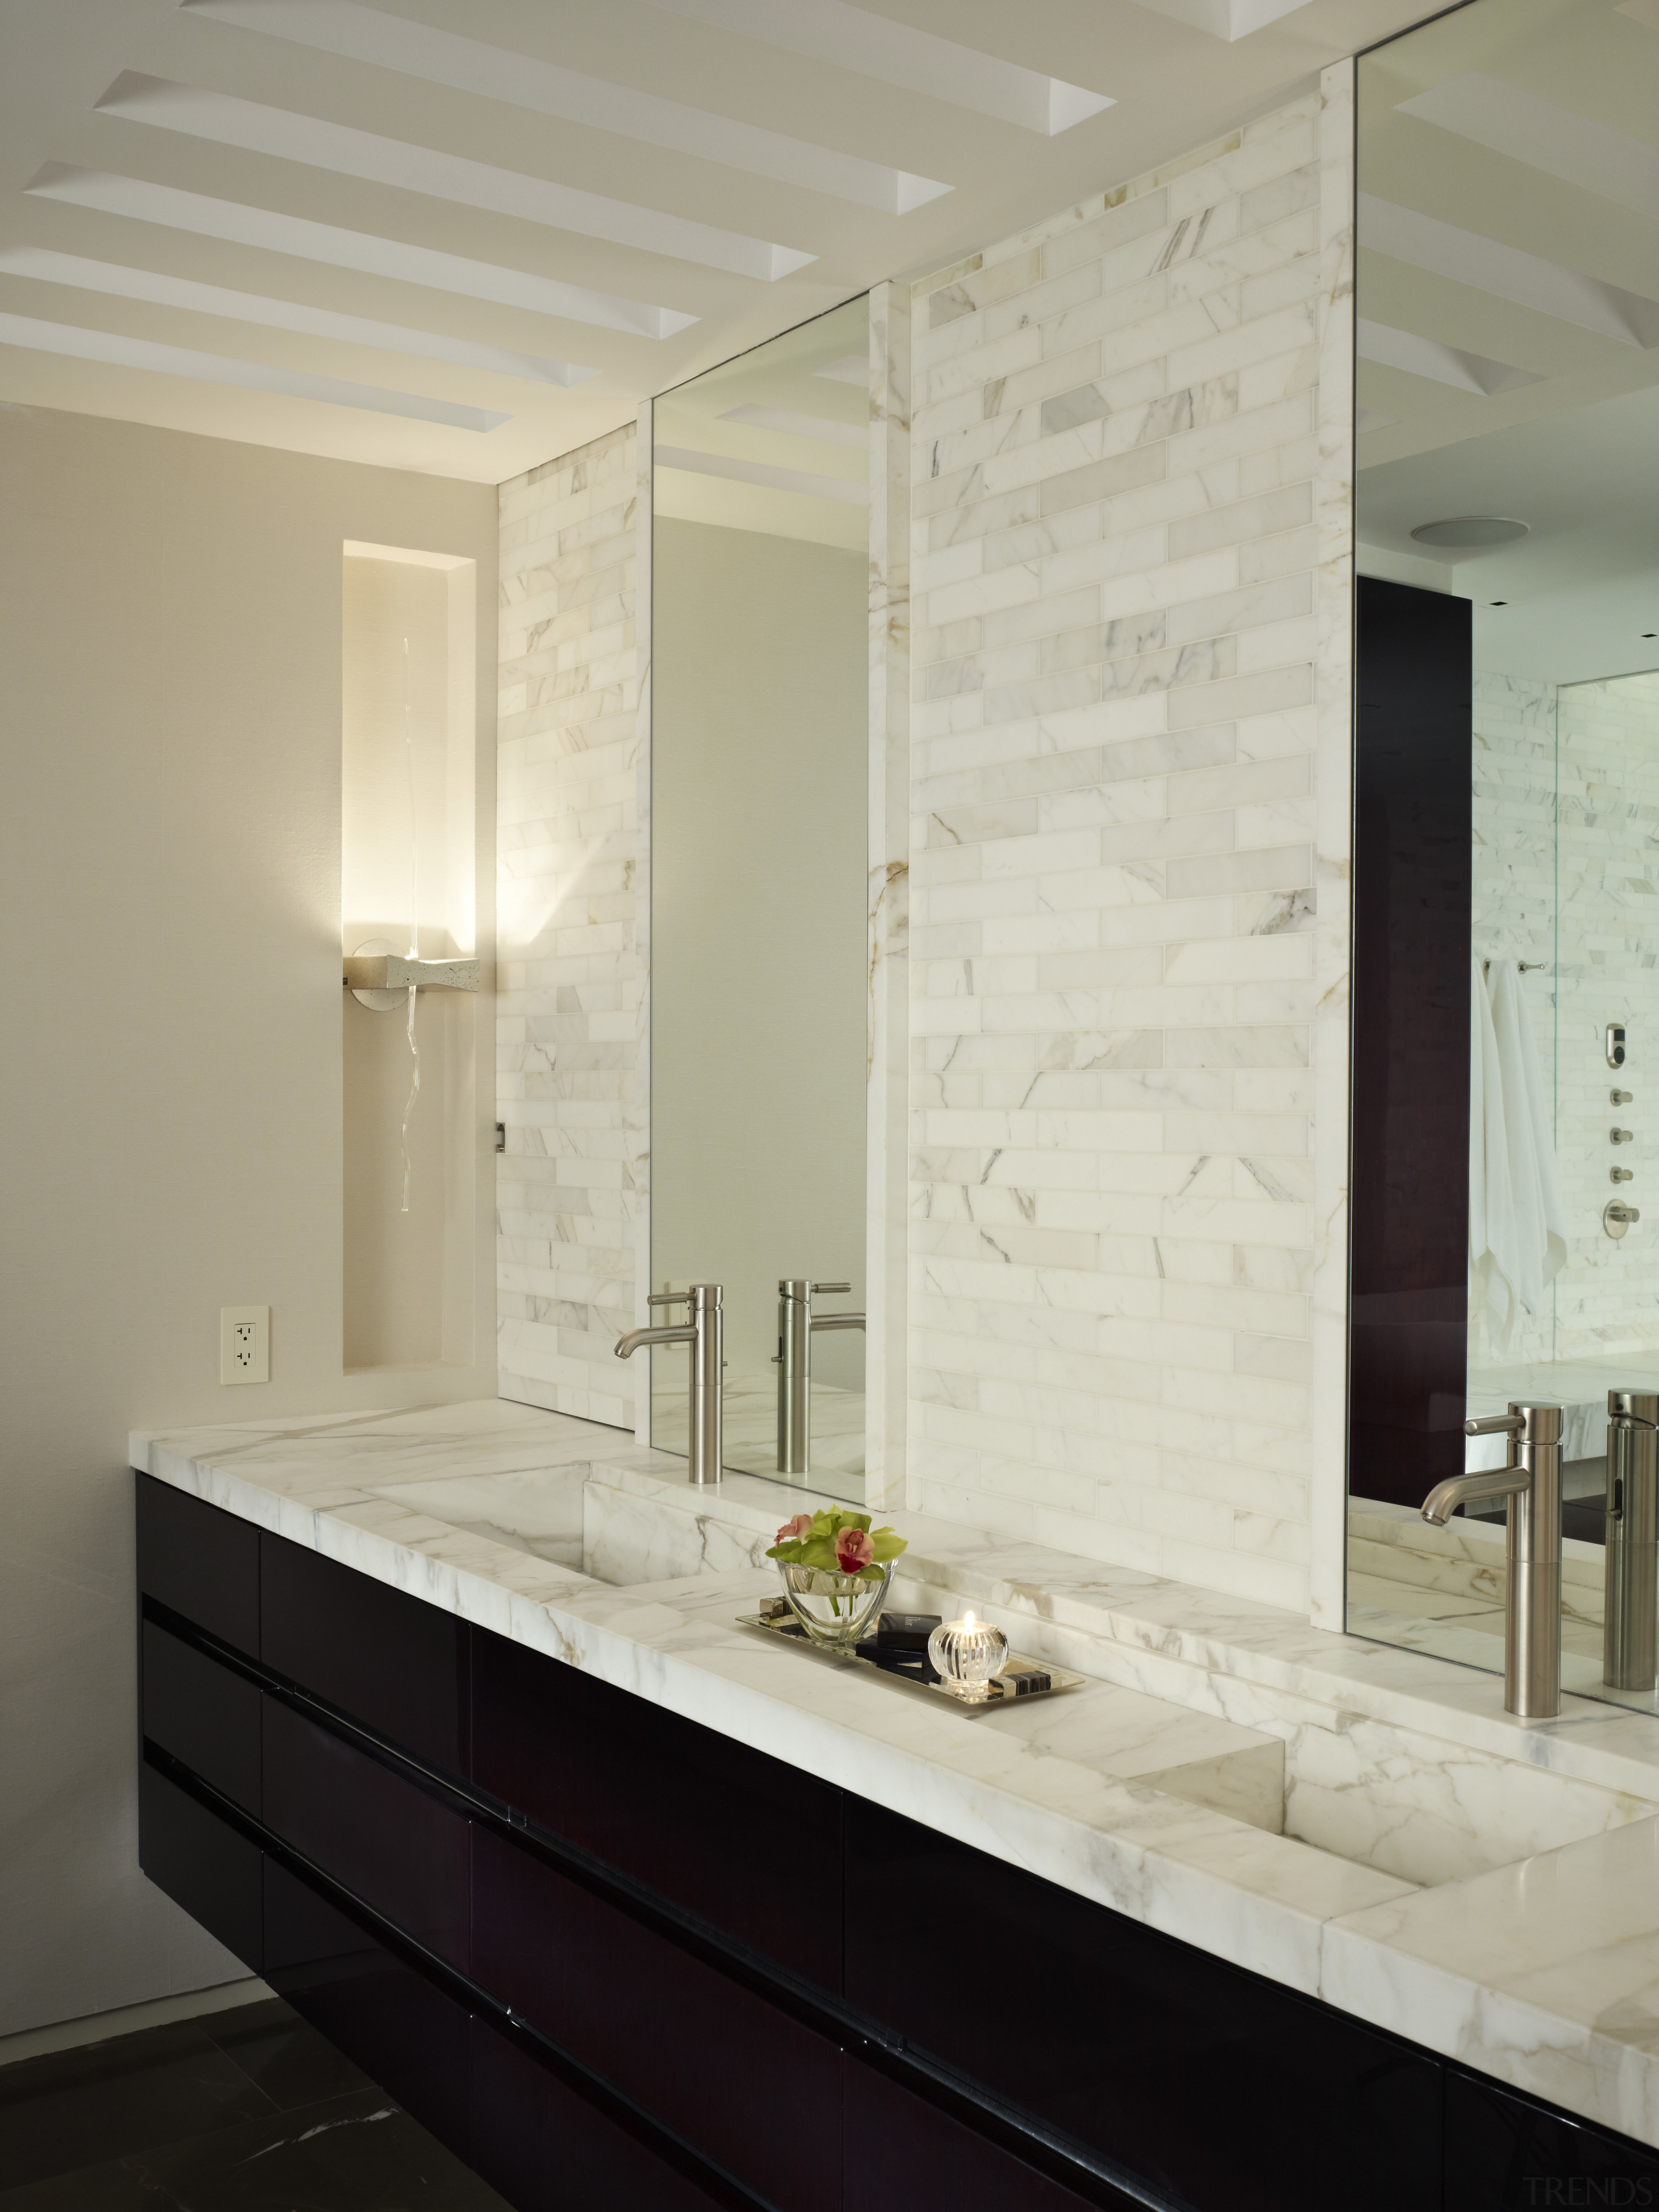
(414, 929)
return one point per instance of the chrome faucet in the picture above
(797, 1325)
(1531, 1480)
(706, 1335)
(1630, 1620)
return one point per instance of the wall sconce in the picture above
(380, 979)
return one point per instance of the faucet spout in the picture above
(1444, 1500)
(625, 1346)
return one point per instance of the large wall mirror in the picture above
(759, 841)
(1506, 975)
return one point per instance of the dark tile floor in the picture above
(247, 2111)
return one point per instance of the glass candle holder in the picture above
(968, 1655)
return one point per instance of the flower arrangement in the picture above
(837, 1544)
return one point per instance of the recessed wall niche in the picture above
(408, 774)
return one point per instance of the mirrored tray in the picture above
(1020, 1680)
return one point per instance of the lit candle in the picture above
(968, 1655)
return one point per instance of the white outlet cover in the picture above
(245, 1344)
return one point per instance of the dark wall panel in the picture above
(1412, 885)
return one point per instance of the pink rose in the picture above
(797, 1527)
(854, 1550)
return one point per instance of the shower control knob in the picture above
(1621, 1136)
(1623, 1097)
(1617, 1218)
(1621, 1175)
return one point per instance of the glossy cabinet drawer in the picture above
(205, 1714)
(391, 1661)
(199, 1561)
(404, 2031)
(928, 2161)
(203, 1863)
(548, 2148)
(742, 2081)
(747, 1844)
(1504, 2154)
(379, 1835)
(1108, 2032)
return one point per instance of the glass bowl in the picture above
(835, 1609)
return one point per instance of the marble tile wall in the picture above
(1123, 634)
(1114, 801)
(1587, 915)
(568, 1013)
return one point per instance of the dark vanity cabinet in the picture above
(614, 1960)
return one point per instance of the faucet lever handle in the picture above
(668, 1298)
(1496, 1424)
(817, 1287)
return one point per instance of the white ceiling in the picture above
(463, 236)
(1508, 302)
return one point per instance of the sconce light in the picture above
(381, 980)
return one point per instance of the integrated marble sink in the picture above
(1359, 1822)
(1422, 1811)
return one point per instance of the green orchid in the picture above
(837, 1543)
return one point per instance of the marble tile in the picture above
(1091, 545)
(567, 911)
(887, 989)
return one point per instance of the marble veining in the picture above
(566, 1009)
(1359, 1821)
(1131, 569)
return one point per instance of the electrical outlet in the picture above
(245, 1344)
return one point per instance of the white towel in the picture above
(1528, 1241)
(1493, 1263)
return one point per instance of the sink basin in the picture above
(1373, 1793)
(574, 1517)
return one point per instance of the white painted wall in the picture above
(170, 1086)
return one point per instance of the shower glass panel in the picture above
(1505, 1176)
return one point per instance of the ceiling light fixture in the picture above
(1471, 529)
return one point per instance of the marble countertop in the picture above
(1361, 1823)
